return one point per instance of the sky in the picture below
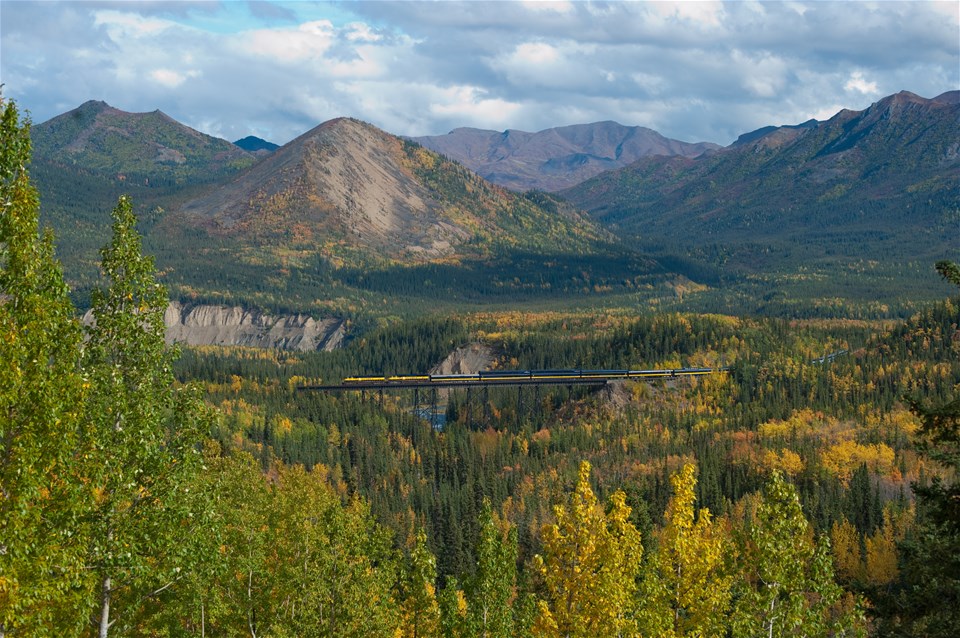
(693, 71)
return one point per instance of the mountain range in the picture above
(345, 205)
(555, 158)
(885, 178)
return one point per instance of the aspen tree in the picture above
(588, 567)
(43, 586)
(145, 434)
(333, 568)
(845, 544)
(453, 610)
(687, 588)
(420, 609)
(789, 588)
(880, 564)
(490, 597)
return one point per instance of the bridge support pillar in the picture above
(434, 417)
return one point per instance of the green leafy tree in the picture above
(687, 589)
(491, 594)
(453, 610)
(588, 567)
(239, 592)
(420, 608)
(788, 588)
(145, 434)
(334, 565)
(227, 589)
(43, 585)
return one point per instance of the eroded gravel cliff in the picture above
(203, 325)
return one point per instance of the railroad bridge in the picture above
(497, 379)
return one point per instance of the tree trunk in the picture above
(105, 608)
(251, 624)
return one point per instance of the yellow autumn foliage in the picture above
(786, 461)
(842, 458)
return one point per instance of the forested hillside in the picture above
(808, 488)
(854, 207)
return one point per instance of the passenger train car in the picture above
(531, 375)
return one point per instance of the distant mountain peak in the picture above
(256, 145)
(950, 97)
(887, 174)
(153, 146)
(775, 135)
(555, 158)
(94, 104)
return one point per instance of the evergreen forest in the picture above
(808, 487)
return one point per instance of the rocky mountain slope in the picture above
(347, 217)
(226, 225)
(468, 359)
(555, 158)
(202, 324)
(348, 186)
(865, 183)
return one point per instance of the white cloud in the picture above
(798, 7)
(563, 65)
(130, 25)
(651, 83)
(470, 104)
(535, 53)
(861, 85)
(949, 10)
(551, 6)
(309, 40)
(360, 32)
(168, 78)
(762, 74)
(824, 113)
(704, 14)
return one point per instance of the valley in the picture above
(837, 216)
(207, 489)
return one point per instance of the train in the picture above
(531, 375)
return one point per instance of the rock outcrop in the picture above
(204, 325)
(468, 359)
(235, 326)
